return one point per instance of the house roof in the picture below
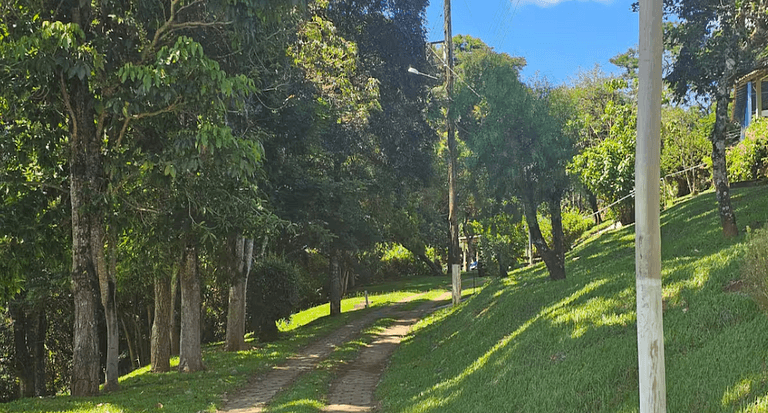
(753, 75)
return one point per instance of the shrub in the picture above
(754, 267)
(574, 225)
(273, 295)
(748, 159)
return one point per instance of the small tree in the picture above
(608, 167)
(517, 134)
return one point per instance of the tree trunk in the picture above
(175, 316)
(433, 267)
(85, 281)
(592, 199)
(106, 274)
(190, 355)
(334, 289)
(39, 352)
(502, 261)
(555, 265)
(719, 169)
(346, 273)
(558, 237)
(268, 331)
(137, 342)
(241, 251)
(131, 350)
(22, 361)
(161, 327)
(85, 168)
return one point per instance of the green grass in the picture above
(527, 344)
(172, 392)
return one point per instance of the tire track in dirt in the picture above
(263, 387)
(353, 390)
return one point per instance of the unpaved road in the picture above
(353, 389)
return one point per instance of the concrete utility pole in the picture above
(453, 249)
(650, 331)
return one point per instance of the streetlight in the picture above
(415, 71)
(453, 224)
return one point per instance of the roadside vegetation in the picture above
(142, 391)
(528, 345)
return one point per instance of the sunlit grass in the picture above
(527, 344)
(348, 304)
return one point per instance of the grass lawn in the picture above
(527, 344)
(172, 392)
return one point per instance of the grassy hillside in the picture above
(527, 344)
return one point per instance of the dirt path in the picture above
(263, 388)
(353, 390)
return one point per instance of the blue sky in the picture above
(556, 37)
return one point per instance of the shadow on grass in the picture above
(530, 345)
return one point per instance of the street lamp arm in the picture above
(415, 71)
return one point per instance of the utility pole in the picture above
(453, 221)
(650, 331)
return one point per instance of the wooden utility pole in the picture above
(650, 331)
(453, 221)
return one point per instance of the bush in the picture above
(574, 225)
(754, 267)
(273, 295)
(749, 158)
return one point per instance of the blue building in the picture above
(750, 98)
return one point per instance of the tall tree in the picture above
(714, 43)
(362, 127)
(518, 137)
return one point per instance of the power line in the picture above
(456, 75)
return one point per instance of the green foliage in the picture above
(331, 62)
(685, 144)
(712, 42)
(273, 295)
(748, 160)
(503, 240)
(391, 261)
(608, 167)
(313, 272)
(575, 224)
(754, 267)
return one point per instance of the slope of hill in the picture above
(527, 344)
